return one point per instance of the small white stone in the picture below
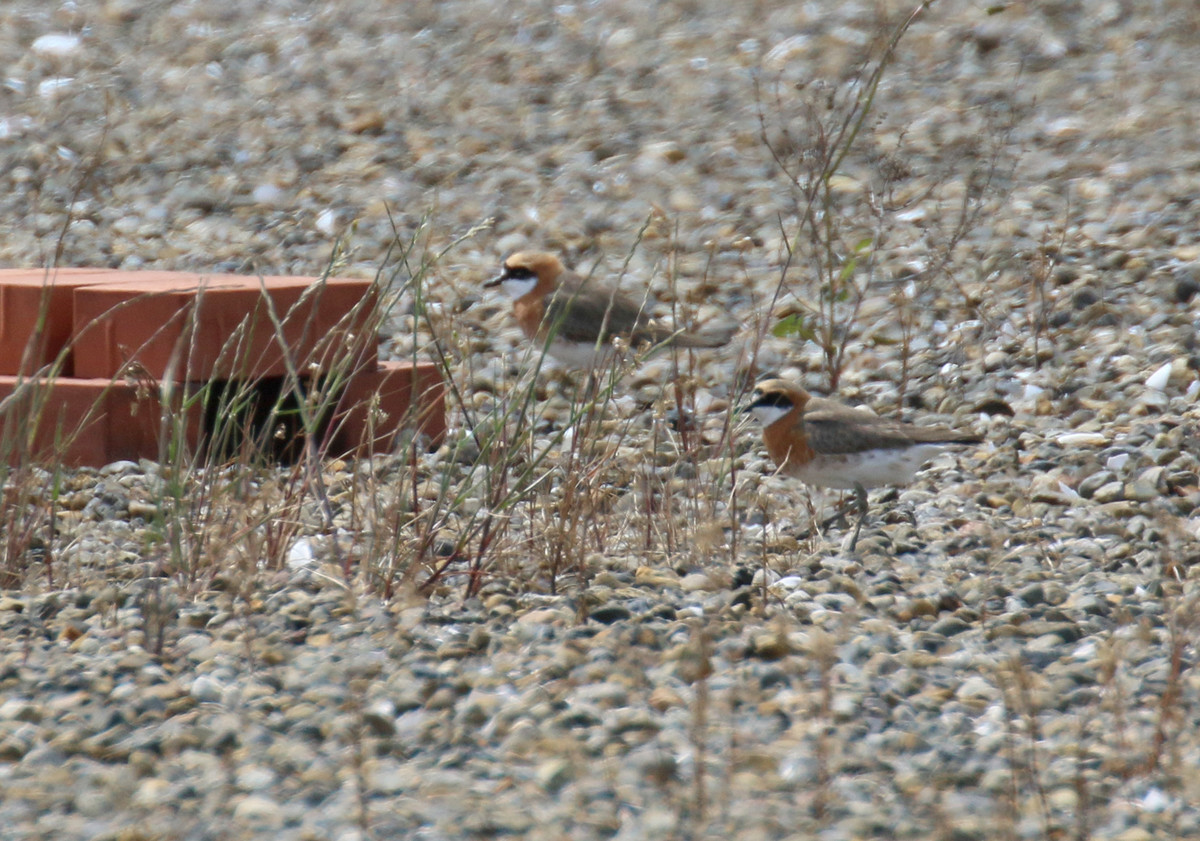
(1155, 399)
(267, 194)
(327, 221)
(206, 689)
(255, 778)
(1064, 127)
(126, 225)
(11, 126)
(626, 406)
(13, 708)
(150, 793)
(621, 38)
(301, 555)
(258, 811)
(976, 687)
(51, 87)
(1032, 392)
(787, 586)
(771, 576)
(56, 44)
(1155, 800)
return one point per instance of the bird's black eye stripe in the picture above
(772, 398)
(517, 273)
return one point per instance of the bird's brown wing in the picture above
(579, 310)
(834, 428)
(579, 313)
(836, 436)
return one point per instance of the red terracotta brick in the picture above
(82, 422)
(137, 428)
(33, 297)
(63, 422)
(187, 326)
(410, 396)
(122, 322)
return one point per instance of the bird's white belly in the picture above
(581, 355)
(871, 469)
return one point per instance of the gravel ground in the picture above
(1008, 655)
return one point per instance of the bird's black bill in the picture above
(509, 273)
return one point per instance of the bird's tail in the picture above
(704, 339)
(941, 435)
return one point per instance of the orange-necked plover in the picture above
(576, 318)
(823, 443)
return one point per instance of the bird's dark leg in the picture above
(861, 493)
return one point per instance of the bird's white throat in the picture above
(515, 287)
(767, 415)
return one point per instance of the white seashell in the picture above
(1159, 379)
(1081, 439)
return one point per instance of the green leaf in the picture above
(848, 269)
(793, 325)
(788, 326)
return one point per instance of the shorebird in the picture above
(823, 443)
(576, 318)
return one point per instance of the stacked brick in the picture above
(85, 355)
